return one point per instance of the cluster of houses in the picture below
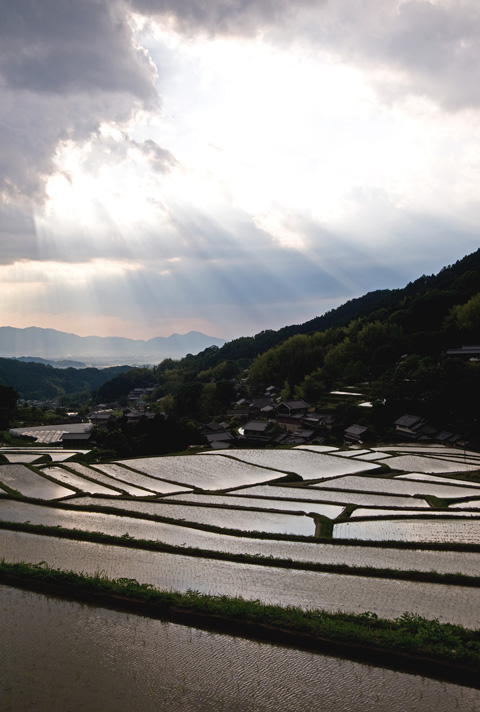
(269, 420)
(138, 404)
(415, 427)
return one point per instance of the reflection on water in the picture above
(388, 598)
(63, 656)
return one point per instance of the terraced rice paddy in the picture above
(209, 473)
(460, 532)
(316, 448)
(373, 508)
(438, 480)
(420, 463)
(243, 520)
(106, 480)
(366, 512)
(17, 458)
(308, 465)
(332, 511)
(68, 478)
(351, 453)
(372, 456)
(470, 504)
(428, 449)
(135, 663)
(396, 486)
(332, 592)
(30, 484)
(138, 479)
(331, 495)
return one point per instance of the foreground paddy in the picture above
(306, 589)
(85, 658)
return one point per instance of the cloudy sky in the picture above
(230, 165)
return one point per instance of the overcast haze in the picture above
(228, 165)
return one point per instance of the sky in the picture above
(230, 166)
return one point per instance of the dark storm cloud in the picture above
(67, 46)
(65, 66)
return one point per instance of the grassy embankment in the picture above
(409, 642)
(456, 579)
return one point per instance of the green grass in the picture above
(425, 641)
(457, 579)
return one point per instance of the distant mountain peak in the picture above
(55, 344)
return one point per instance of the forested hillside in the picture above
(37, 381)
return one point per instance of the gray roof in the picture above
(409, 421)
(295, 404)
(258, 426)
(218, 437)
(356, 429)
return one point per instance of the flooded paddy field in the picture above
(210, 473)
(107, 480)
(15, 458)
(62, 655)
(332, 511)
(316, 448)
(30, 484)
(421, 463)
(428, 449)
(242, 519)
(436, 478)
(308, 465)
(459, 532)
(388, 598)
(366, 512)
(471, 504)
(351, 453)
(372, 456)
(402, 559)
(330, 495)
(397, 486)
(138, 479)
(69, 478)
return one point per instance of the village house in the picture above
(409, 425)
(293, 407)
(355, 433)
(258, 430)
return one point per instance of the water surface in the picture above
(63, 656)
(333, 592)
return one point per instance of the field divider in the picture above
(410, 643)
(454, 579)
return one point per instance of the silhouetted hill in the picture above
(425, 298)
(35, 381)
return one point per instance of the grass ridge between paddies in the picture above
(440, 649)
(125, 541)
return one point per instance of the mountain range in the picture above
(107, 350)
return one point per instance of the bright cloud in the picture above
(230, 166)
